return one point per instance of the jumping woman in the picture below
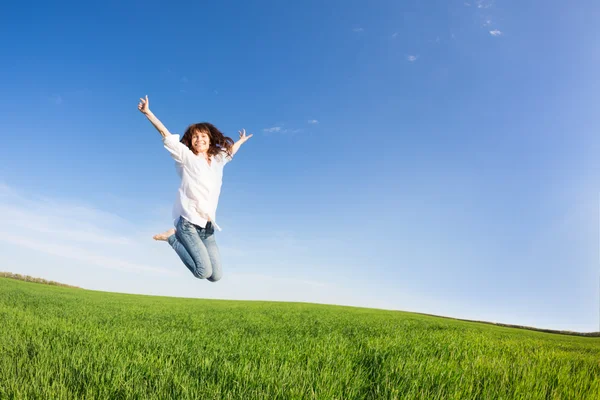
(199, 158)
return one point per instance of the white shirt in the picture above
(200, 187)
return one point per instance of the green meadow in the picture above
(68, 343)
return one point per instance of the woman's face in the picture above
(200, 141)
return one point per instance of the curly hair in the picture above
(218, 141)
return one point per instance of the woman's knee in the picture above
(215, 277)
(203, 272)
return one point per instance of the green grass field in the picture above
(63, 343)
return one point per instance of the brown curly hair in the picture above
(218, 141)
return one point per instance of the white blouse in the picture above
(200, 187)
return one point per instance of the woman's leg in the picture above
(213, 252)
(182, 252)
(188, 244)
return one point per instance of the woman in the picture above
(200, 157)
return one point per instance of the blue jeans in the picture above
(197, 248)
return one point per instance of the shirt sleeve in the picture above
(224, 158)
(178, 150)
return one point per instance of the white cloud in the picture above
(484, 3)
(43, 221)
(280, 129)
(412, 58)
(358, 30)
(69, 230)
(313, 121)
(274, 129)
(89, 258)
(395, 35)
(485, 16)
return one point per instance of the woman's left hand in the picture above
(243, 136)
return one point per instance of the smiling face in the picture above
(205, 139)
(200, 141)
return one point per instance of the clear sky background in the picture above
(430, 156)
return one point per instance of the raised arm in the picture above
(243, 138)
(171, 142)
(144, 107)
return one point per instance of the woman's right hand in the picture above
(144, 105)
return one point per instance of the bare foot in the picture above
(165, 235)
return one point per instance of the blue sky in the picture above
(437, 156)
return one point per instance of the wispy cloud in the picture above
(483, 12)
(358, 30)
(412, 58)
(273, 129)
(72, 231)
(313, 121)
(484, 3)
(280, 129)
(89, 258)
(395, 35)
(44, 222)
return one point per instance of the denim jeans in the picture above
(197, 248)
